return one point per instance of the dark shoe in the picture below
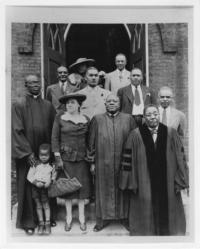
(68, 227)
(29, 231)
(98, 228)
(83, 226)
(41, 228)
(47, 228)
(53, 223)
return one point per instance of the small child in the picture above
(44, 175)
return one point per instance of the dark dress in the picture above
(69, 139)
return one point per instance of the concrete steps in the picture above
(114, 229)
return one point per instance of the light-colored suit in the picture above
(113, 81)
(54, 92)
(95, 101)
(177, 120)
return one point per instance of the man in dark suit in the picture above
(63, 87)
(135, 96)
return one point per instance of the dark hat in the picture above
(79, 97)
(81, 61)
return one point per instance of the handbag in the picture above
(64, 186)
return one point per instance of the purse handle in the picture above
(67, 175)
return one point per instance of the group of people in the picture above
(124, 137)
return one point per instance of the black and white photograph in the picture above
(100, 124)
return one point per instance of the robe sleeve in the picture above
(127, 175)
(93, 126)
(20, 144)
(55, 138)
(182, 172)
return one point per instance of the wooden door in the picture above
(54, 51)
(138, 49)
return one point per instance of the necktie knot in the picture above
(154, 131)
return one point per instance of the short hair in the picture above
(165, 88)
(62, 66)
(113, 94)
(89, 68)
(148, 106)
(137, 68)
(26, 79)
(45, 147)
(122, 55)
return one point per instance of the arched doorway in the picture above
(64, 43)
(98, 41)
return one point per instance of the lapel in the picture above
(129, 93)
(57, 91)
(173, 117)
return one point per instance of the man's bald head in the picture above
(32, 84)
(112, 103)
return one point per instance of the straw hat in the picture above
(79, 97)
(80, 61)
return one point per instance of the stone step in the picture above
(114, 228)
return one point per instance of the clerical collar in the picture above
(34, 96)
(112, 114)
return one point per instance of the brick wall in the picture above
(24, 63)
(171, 68)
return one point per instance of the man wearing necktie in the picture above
(155, 171)
(169, 115)
(120, 77)
(63, 87)
(135, 96)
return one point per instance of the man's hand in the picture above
(58, 162)
(31, 160)
(92, 169)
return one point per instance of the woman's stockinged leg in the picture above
(81, 210)
(68, 205)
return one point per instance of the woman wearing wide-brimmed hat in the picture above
(78, 70)
(69, 147)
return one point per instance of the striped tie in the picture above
(137, 96)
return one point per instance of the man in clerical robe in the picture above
(107, 134)
(155, 171)
(32, 122)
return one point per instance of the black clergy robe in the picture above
(32, 121)
(155, 173)
(106, 139)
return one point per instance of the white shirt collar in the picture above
(62, 83)
(120, 71)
